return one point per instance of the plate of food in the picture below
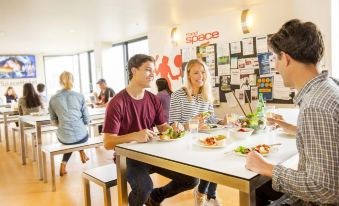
(241, 132)
(171, 135)
(217, 141)
(204, 115)
(262, 149)
(210, 127)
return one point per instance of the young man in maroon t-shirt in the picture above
(130, 116)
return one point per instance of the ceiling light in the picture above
(246, 21)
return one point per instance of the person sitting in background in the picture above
(105, 94)
(164, 94)
(186, 103)
(30, 100)
(298, 47)
(41, 92)
(10, 95)
(69, 113)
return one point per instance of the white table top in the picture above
(93, 113)
(7, 110)
(6, 105)
(187, 151)
(216, 160)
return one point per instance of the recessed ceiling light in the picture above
(71, 30)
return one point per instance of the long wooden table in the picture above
(38, 122)
(221, 166)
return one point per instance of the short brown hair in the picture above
(136, 61)
(40, 87)
(302, 41)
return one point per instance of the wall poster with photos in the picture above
(246, 68)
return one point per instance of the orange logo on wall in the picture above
(165, 70)
(193, 37)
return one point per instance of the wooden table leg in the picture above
(52, 172)
(6, 132)
(87, 191)
(107, 196)
(22, 142)
(247, 199)
(122, 181)
(38, 142)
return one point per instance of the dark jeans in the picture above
(138, 176)
(209, 188)
(100, 129)
(66, 156)
(265, 194)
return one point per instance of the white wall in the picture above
(268, 18)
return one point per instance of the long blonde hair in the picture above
(206, 89)
(66, 80)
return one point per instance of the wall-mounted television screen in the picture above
(17, 66)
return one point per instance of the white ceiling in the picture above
(67, 26)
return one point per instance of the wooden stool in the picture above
(104, 176)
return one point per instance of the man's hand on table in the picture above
(256, 163)
(145, 135)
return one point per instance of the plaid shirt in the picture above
(316, 182)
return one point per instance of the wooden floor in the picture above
(19, 185)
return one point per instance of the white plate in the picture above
(273, 149)
(245, 155)
(168, 140)
(200, 142)
(219, 127)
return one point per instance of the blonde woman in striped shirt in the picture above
(186, 103)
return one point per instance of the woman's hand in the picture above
(177, 127)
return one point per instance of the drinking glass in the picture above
(194, 126)
(269, 113)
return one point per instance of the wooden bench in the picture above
(94, 123)
(104, 176)
(56, 149)
(31, 131)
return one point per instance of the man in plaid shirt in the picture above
(298, 47)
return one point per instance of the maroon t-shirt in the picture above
(126, 115)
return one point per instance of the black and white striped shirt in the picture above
(182, 109)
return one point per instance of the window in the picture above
(84, 72)
(115, 60)
(93, 74)
(79, 65)
(137, 47)
(113, 69)
(54, 66)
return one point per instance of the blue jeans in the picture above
(138, 176)
(66, 156)
(208, 187)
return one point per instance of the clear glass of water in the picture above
(194, 126)
(269, 113)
